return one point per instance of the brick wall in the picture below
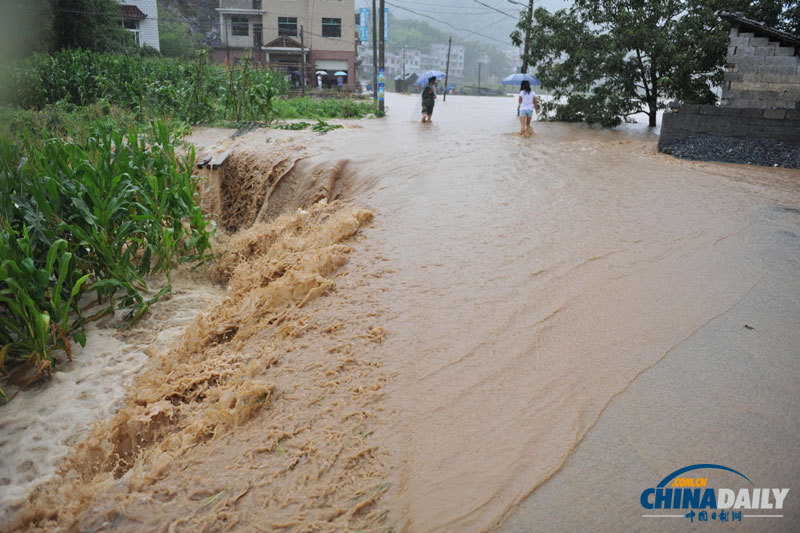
(760, 73)
(693, 119)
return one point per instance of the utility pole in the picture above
(404, 68)
(527, 39)
(303, 61)
(227, 46)
(479, 78)
(447, 69)
(354, 82)
(382, 46)
(374, 52)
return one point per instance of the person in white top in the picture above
(527, 104)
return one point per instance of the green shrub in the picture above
(193, 91)
(96, 215)
(322, 108)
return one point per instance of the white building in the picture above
(394, 62)
(416, 62)
(140, 17)
(439, 52)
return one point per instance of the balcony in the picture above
(240, 7)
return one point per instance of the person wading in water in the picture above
(428, 99)
(527, 104)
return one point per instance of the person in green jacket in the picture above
(428, 99)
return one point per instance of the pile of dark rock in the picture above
(763, 152)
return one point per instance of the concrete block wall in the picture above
(760, 73)
(692, 119)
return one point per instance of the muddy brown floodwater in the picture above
(481, 356)
(535, 280)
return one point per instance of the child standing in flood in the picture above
(527, 105)
(428, 100)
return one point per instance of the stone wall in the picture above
(693, 119)
(760, 73)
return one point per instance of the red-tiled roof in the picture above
(132, 12)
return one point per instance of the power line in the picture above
(495, 9)
(446, 23)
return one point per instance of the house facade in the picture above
(269, 30)
(140, 17)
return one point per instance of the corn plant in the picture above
(99, 215)
(35, 303)
(193, 91)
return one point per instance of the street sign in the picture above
(386, 25)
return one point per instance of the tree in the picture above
(175, 35)
(89, 24)
(612, 59)
(419, 35)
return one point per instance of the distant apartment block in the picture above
(417, 62)
(140, 17)
(269, 31)
(439, 52)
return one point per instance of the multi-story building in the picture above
(140, 17)
(439, 52)
(270, 31)
(417, 62)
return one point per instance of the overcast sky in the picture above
(462, 16)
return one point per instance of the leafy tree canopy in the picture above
(90, 25)
(419, 35)
(28, 26)
(612, 59)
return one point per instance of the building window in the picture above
(240, 26)
(331, 27)
(133, 27)
(287, 26)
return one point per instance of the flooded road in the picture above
(510, 326)
(533, 280)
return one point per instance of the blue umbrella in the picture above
(425, 76)
(518, 78)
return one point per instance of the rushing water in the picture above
(535, 293)
(534, 279)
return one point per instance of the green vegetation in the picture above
(322, 108)
(94, 199)
(609, 60)
(175, 36)
(419, 35)
(320, 127)
(91, 216)
(192, 91)
(293, 126)
(48, 25)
